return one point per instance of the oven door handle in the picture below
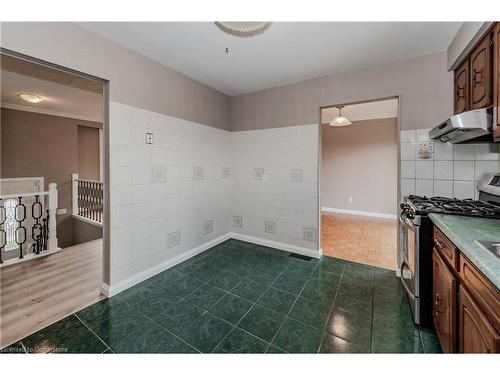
(407, 223)
(408, 291)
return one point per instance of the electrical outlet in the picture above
(149, 138)
(309, 234)
(174, 239)
(198, 173)
(350, 199)
(208, 226)
(270, 227)
(226, 172)
(237, 222)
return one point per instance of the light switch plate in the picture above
(159, 174)
(258, 174)
(295, 175)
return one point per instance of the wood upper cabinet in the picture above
(496, 81)
(481, 65)
(461, 86)
(444, 303)
(477, 334)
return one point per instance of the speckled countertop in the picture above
(463, 231)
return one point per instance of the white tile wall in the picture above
(158, 209)
(287, 193)
(450, 170)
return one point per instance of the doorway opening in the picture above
(359, 166)
(53, 193)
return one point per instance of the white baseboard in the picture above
(277, 245)
(104, 289)
(111, 290)
(146, 274)
(359, 213)
(28, 257)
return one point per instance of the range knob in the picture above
(410, 214)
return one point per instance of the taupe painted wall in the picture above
(85, 232)
(135, 80)
(424, 86)
(88, 153)
(360, 161)
(35, 145)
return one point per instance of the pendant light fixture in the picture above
(243, 29)
(340, 120)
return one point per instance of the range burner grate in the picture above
(468, 207)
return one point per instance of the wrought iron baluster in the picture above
(3, 234)
(92, 195)
(19, 216)
(46, 230)
(44, 233)
(37, 229)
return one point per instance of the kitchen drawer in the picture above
(484, 293)
(446, 249)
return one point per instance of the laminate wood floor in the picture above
(37, 293)
(360, 239)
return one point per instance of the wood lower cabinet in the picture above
(444, 303)
(461, 86)
(477, 334)
(466, 309)
(481, 65)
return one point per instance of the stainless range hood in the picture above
(467, 127)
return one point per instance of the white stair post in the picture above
(52, 241)
(74, 191)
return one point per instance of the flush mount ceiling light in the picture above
(29, 97)
(243, 29)
(340, 120)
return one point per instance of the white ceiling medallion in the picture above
(243, 29)
(340, 120)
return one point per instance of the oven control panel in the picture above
(490, 184)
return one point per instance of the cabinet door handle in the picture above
(475, 73)
(439, 244)
(437, 302)
(458, 93)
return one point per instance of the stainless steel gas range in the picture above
(417, 232)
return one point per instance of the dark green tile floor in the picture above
(243, 298)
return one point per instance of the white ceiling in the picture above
(363, 111)
(64, 94)
(288, 52)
